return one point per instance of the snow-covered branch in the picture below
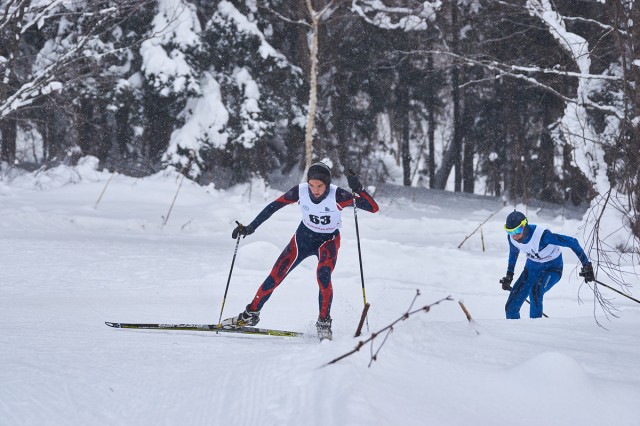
(527, 74)
(60, 57)
(376, 13)
(590, 156)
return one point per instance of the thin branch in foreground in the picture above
(388, 329)
(104, 190)
(605, 252)
(165, 219)
(472, 322)
(365, 310)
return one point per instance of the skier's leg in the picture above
(546, 279)
(555, 271)
(327, 257)
(287, 261)
(554, 277)
(518, 295)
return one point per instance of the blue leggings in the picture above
(536, 279)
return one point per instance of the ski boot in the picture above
(244, 319)
(324, 328)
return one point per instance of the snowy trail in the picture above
(67, 267)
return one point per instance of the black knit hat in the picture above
(321, 172)
(514, 219)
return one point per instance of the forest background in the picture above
(525, 99)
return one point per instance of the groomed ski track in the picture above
(67, 267)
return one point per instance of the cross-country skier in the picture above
(318, 234)
(543, 267)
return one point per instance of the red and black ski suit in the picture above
(307, 242)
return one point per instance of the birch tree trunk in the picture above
(313, 85)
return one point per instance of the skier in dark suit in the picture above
(318, 234)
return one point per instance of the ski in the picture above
(206, 327)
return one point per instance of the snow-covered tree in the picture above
(564, 94)
(600, 118)
(47, 47)
(170, 80)
(249, 94)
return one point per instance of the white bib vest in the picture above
(324, 217)
(531, 249)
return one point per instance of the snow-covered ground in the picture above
(67, 266)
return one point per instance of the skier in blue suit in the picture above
(543, 268)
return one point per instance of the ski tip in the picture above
(112, 324)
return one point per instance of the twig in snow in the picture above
(388, 329)
(173, 202)
(472, 322)
(104, 190)
(480, 226)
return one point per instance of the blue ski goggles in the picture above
(517, 230)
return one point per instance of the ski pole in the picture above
(364, 294)
(617, 291)
(224, 298)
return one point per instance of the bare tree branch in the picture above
(388, 329)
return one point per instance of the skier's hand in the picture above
(506, 281)
(353, 181)
(242, 230)
(587, 273)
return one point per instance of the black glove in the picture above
(587, 273)
(506, 281)
(242, 230)
(353, 181)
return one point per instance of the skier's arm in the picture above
(289, 197)
(364, 201)
(513, 257)
(549, 237)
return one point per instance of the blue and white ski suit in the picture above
(542, 270)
